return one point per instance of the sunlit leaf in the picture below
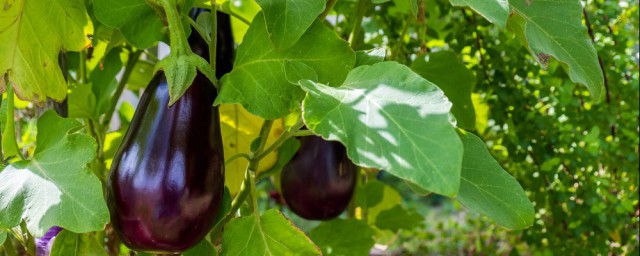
(390, 118)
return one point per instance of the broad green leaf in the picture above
(449, 73)
(203, 248)
(68, 243)
(239, 128)
(554, 28)
(32, 34)
(81, 102)
(287, 20)
(54, 188)
(3, 235)
(488, 189)
(370, 57)
(136, 19)
(259, 81)
(496, 11)
(398, 218)
(343, 237)
(390, 118)
(270, 234)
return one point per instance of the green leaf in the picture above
(203, 248)
(3, 235)
(141, 75)
(271, 234)
(488, 189)
(55, 188)
(225, 206)
(405, 6)
(82, 102)
(398, 218)
(370, 57)
(449, 73)
(103, 81)
(32, 34)
(390, 118)
(137, 20)
(496, 11)
(259, 81)
(377, 197)
(287, 20)
(343, 237)
(68, 243)
(9, 143)
(554, 28)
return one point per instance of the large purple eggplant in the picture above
(167, 177)
(318, 183)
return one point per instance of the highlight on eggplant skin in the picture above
(318, 182)
(166, 182)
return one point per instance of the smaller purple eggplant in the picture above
(317, 184)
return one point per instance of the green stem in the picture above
(327, 9)
(352, 205)
(213, 38)
(133, 58)
(239, 155)
(233, 14)
(361, 8)
(151, 56)
(396, 48)
(82, 68)
(199, 30)
(248, 186)
(245, 190)
(284, 137)
(302, 133)
(177, 36)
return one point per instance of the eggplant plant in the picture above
(353, 111)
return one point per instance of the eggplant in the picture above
(318, 182)
(166, 181)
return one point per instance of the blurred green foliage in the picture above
(577, 159)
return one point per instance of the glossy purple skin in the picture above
(318, 182)
(167, 178)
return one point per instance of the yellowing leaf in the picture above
(32, 34)
(239, 129)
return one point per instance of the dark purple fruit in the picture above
(167, 178)
(317, 184)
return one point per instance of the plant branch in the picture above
(233, 14)
(199, 30)
(302, 133)
(327, 9)
(361, 8)
(235, 205)
(213, 38)
(284, 137)
(133, 58)
(240, 155)
(247, 186)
